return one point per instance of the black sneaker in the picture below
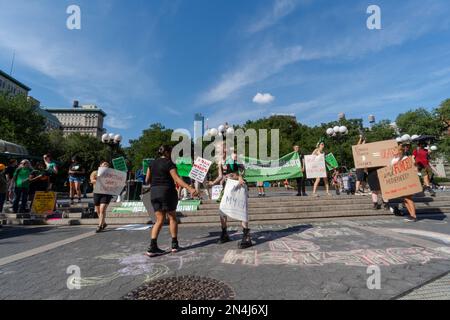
(246, 240)
(376, 206)
(154, 252)
(175, 246)
(386, 206)
(99, 229)
(104, 226)
(224, 238)
(411, 219)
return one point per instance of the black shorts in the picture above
(101, 199)
(361, 175)
(164, 199)
(374, 182)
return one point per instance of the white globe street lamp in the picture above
(336, 129)
(230, 131)
(343, 130)
(330, 131)
(406, 138)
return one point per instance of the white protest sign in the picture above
(234, 201)
(215, 192)
(315, 166)
(200, 169)
(110, 181)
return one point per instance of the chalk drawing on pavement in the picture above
(428, 234)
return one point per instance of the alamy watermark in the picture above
(74, 280)
(374, 20)
(73, 22)
(374, 280)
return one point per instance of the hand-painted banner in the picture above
(120, 164)
(216, 191)
(184, 166)
(234, 202)
(287, 167)
(110, 181)
(399, 180)
(315, 166)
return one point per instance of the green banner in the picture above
(120, 164)
(288, 167)
(188, 205)
(146, 164)
(331, 162)
(184, 166)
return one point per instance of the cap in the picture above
(2, 167)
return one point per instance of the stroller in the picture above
(349, 182)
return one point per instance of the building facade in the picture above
(83, 119)
(199, 126)
(11, 85)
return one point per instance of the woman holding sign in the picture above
(232, 171)
(320, 151)
(408, 200)
(101, 201)
(162, 177)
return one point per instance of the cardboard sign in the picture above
(234, 202)
(43, 203)
(216, 191)
(399, 180)
(120, 164)
(373, 155)
(110, 181)
(315, 166)
(200, 169)
(331, 162)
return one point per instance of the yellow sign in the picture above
(43, 203)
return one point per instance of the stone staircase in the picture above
(269, 210)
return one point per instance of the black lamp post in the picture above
(113, 141)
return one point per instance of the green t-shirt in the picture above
(21, 177)
(51, 168)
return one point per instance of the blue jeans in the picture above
(21, 196)
(2, 201)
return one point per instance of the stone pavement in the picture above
(325, 259)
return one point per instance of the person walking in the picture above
(320, 151)
(21, 180)
(162, 176)
(408, 200)
(422, 159)
(101, 201)
(3, 186)
(76, 173)
(301, 182)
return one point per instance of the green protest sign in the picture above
(184, 166)
(120, 164)
(331, 162)
(146, 163)
(287, 167)
(188, 205)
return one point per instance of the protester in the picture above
(422, 159)
(101, 201)
(361, 174)
(408, 200)
(260, 187)
(76, 173)
(3, 186)
(52, 170)
(234, 171)
(319, 151)
(9, 172)
(39, 180)
(375, 188)
(162, 177)
(301, 182)
(337, 181)
(21, 180)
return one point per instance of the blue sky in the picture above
(147, 61)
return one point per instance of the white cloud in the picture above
(117, 121)
(266, 63)
(279, 10)
(263, 98)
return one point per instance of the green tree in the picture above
(21, 124)
(443, 114)
(381, 131)
(148, 144)
(420, 122)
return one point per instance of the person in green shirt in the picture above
(22, 183)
